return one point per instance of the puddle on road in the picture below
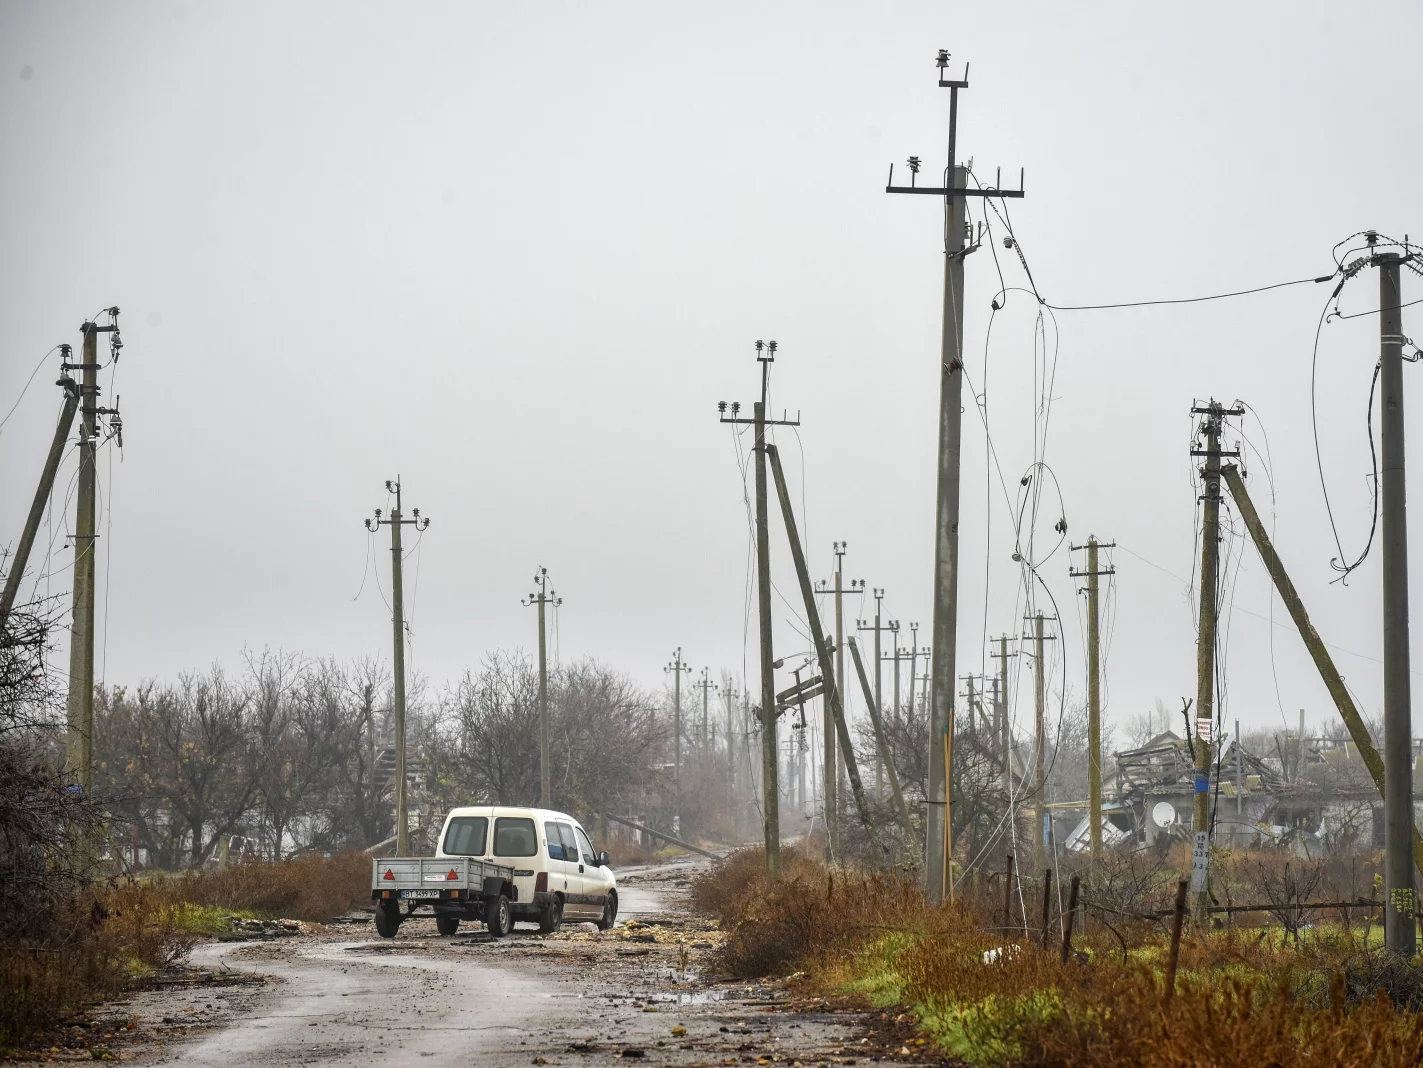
(698, 997)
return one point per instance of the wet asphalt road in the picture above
(635, 994)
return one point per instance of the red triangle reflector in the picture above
(453, 875)
(389, 875)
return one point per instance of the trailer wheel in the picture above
(387, 920)
(446, 925)
(551, 918)
(498, 917)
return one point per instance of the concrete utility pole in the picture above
(893, 627)
(1001, 722)
(1040, 809)
(1400, 927)
(831, 763)
(706, 686)
(676, 668)
(397, 603)
(542, 596)
(822, 648)
(731, 694)
(1094, 685)
(913, 664)
(1211, 427)
(878, 628)
(770, 807)
(21, 559)
(946, 519)
(79, 747)
(1323, 662)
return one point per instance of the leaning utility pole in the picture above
(830, 762)
(817, 637)
(1211, 428)
(397, 602)
(1400, 927)
(542, 596)
(677, 667)
(861, 625)
(1040, 809)
(770, 808)
(79, 748)
(946, 518)
(1094, 685)
(21, 559)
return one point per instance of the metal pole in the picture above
(402, 814)
(21, 559)
(80, 736)
(1205, 659)
(1400, 928)
(1094, 701)
(771, 817)
(946, 525)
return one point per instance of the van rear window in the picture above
(514, 836)
(466, 836)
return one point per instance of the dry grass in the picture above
(312, 887)
(1248, 998)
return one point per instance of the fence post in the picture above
(1176, 921)
(1071, 918)
(1047, 902)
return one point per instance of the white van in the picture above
(558, 875)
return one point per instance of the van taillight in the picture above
(541, 883)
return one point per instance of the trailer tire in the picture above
(610, 912)
(551, 918)
(447, 925)
(498, 917)
(387, 920)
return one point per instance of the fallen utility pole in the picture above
(21, 559)
(831, 764)
(1323, 662)
(770, 790)
(946, 515)
(677, 667)
(1211, 427)
(1093, 574)
(664, 836)
(397, 601)
(881, 742)
(817, 637)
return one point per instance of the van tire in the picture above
(497, 916)
(387, 920)
(610, 912)
(447, 925)
(551, 918)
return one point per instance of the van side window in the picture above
(466, 836)
(570, 844)
(514, 836)
(589, 856)
(555, 842)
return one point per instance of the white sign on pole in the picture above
(1200, 862)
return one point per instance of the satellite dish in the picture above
(1163, 814)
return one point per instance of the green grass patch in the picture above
(207, 920)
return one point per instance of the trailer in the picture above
(453, 888)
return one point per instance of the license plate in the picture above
(419, 893)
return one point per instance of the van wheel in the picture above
(610, 913)
(551, 918)
(387, 920)
(498, 917)
(447, 925)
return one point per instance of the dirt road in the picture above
(636, 993)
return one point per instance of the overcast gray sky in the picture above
(516, 255)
